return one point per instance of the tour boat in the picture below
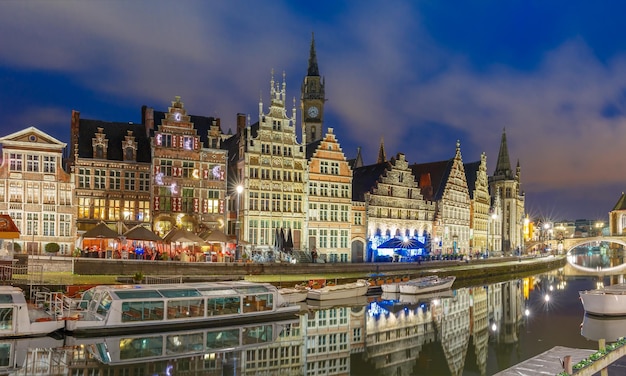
(394, 287)
(343, 291)
(294, 294)
(18, 318)
(111, 309)
(171, 345)
(429, 285)
(606, 301)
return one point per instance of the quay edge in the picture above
(283, 272)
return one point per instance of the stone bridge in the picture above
(565, 246)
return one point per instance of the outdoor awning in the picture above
(215, 236)
(8, 229)
(182, 236)
(402, 243)
(101, 231)
(141, 233)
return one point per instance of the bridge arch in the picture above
(577, 242)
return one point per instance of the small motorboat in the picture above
(605, 301)
(427, 285)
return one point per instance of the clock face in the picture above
(177, 116)
(313, 112)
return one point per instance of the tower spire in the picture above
(382, 156)
(313, 69)
(503, 167)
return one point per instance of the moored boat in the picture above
(394, 287)
(18, 318)
(606, 301)
(111, 309)
(342, 291)
(428, 285)
(294, 294)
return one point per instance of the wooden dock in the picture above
(553, 362)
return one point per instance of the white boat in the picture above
(18, 318)
(175, 345)
(294, 294)
(606, 301)
(394, 287)
(430, 285)
(343, 291)
(111, 309)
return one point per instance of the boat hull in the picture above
(599, 303)
(293, 295)
(349, 290)
(413, 288)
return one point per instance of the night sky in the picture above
(419, 74)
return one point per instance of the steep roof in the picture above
(437, 173)
(311, 148)
(365, 178)
(503, 167)
(621, 203)
(471, 174)
(116, 133)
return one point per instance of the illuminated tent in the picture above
(401, 243)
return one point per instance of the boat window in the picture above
(217, 292)
(6, 298)
(257, 334)
(184, 343)
(256, 303)
(137, 294)
(221, 339)
(179, 293)
(143, 347)
(105, 303)
(6, 318)
(5, 354)
(185, 308)
(142, 311)
(223, 305)
(251, 289)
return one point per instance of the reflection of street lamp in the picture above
(237, 252)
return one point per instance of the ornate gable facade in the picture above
(36, 191)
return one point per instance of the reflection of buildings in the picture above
(394, 337)
(452, 320)
(396, 334)
(479, 326)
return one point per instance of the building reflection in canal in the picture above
(448, 333)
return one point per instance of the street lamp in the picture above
(237, 252)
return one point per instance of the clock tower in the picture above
(312, 100)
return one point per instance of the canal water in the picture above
(470, 330)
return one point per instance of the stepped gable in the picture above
(116, 133)
(365, 178)
(432, 177)
(202, 125)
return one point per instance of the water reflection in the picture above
(456, 332)
(609, 329)
(598, 255)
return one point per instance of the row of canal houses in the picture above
(178, 170)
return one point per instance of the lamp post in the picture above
(237, 252)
